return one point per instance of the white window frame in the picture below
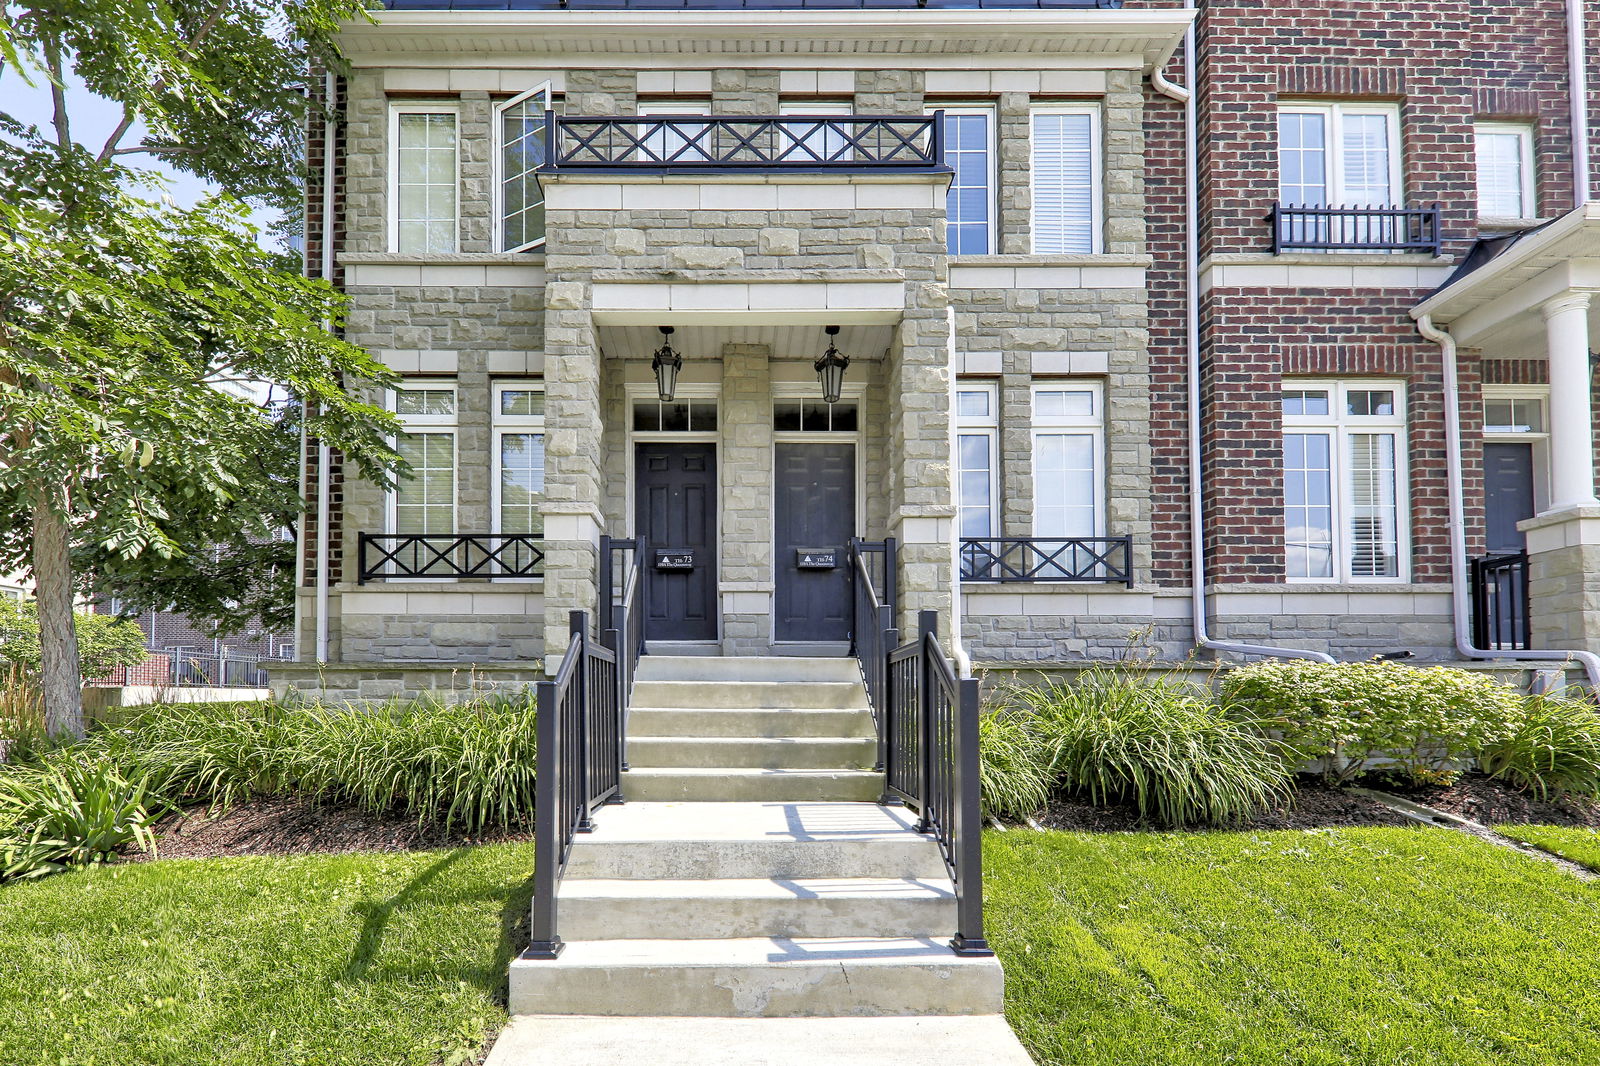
(450, 423)
(1097, 205)
(503, 424)
(1095, 425)
(992, 152)
(813, 109)
(1539, 440)
(989, 428)
(666, 109)
(1339, 426)
(1524, 133)
(395, 111)
(1333, 114)
(547, 91)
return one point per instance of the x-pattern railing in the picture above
(697, 142)
(403, 555)
(1103, 559)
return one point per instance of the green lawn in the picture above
(339, 959)
(1370, 946)
(1579, 845)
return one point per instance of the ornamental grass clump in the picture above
(1014, 774)
(1552, 750)
(1123, 735)
(70, 812)
(1426, 721)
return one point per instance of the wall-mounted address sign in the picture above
(816, 558)
(674, 560)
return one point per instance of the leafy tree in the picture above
(124, 453)
(104, 641)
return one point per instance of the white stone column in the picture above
(1571, 430)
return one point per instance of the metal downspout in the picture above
(1578, 94)
(963, 660)
(1197, 556)
(324, 453)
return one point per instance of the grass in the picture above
(1378, 947)
(342, 960)
(1578, 845)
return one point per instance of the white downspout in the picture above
(1578, 99)
(1458, 525)
(324, 453)
(963, 660)
(1191, 181)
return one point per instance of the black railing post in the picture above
(578, 626)
(968, 828)
(545, 944)
(891, 565)
(550, 140)
(361, 558)
(936, 139)
(1525, 600)
(607, 591)
(1276, 218)
(927, 731)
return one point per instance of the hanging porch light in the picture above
(830, 368)
(666, 365)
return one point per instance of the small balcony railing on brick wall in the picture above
(1370, 229)
(713, 143)
(458, 555)
(1084, 559)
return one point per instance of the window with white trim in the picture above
(1068, 459)
(519, 457)
(1505, 170)
(1066, 180)
(423, 179)
(673, 144)
(425, 502)
(1344, 492)
(1338, 155)
(818, 142)
(969, 205)
(520, 137)
(977, 440)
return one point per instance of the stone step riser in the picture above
(652, 785)
(909, 856)
(785, 722)
(748, 668)
(688, 918)
(751, 753)
(751, 695)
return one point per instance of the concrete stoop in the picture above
(751, 903)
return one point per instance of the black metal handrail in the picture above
(931, 722)
(1372, 229)
(578, 766)
(872, 628)
(1082, 559)
(414, 555)
(733, 142)
(1501, 608)
(622, 603)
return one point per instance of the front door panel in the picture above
(1508, 492)
(815, 516)
(677, 515)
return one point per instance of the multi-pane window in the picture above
(815, 142)
(677, 143)
(1343, 481)
(1338, 155)
(1066, 180)
(425, 502)
(521, 133)
(813, 416)
(1505, 170)
(683, 415)
(423, 179)
(977, 431)
(519, 457)
(1068, 460)
(969, 150)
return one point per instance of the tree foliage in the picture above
(104, 641)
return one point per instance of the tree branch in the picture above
(110, 148)
(58, 96)
(156, 149)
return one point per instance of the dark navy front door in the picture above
(677, 499)
(815, 519)
(1508, 494)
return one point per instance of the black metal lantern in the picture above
(666, 364)
(831, 367)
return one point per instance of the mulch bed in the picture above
(1315, 806)
(274, 826)
(1491, 802)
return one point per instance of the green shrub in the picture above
(221, 753)
(1348, 714)
(1552, 751)
(1121, 735)
(1013, 764)
(104, 641)
(69, 812)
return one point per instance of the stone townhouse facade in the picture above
(517, 198)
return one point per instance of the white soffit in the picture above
(1560, 255)
(1117, 37)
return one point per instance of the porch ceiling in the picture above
(786, 341)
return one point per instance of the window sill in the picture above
(1334, 258)
(532, 257)
(1098, 259)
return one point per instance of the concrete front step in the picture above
(540, 1040)
(758, 977)
(792, 753)
(592, 909)
(750, 722)
(702, 785)
(746, 668)
(753, 840)
(705, 695)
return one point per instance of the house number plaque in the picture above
(674, 560)
(816, 559)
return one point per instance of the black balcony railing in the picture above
(1086, 559)
(723, 142)
(736, 5)
(1500, 606)
(1369, 229)
(418, 555)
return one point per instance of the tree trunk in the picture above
(59, 674)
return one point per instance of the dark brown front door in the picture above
(815, 519)
(677, 500)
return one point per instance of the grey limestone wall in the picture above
(1564, 587)
(380, 680)
(435, 637)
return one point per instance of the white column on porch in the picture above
(1571, 426)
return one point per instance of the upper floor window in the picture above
(520, 136)
(1505, 170)
(1066, 180)
(425, 502)
(678, 142)
(519, 460)
(1068, 459)
(977, 432)
(1343, 480)
(1338, 155)
(969, 151)
(819, 142)
(423, 179)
